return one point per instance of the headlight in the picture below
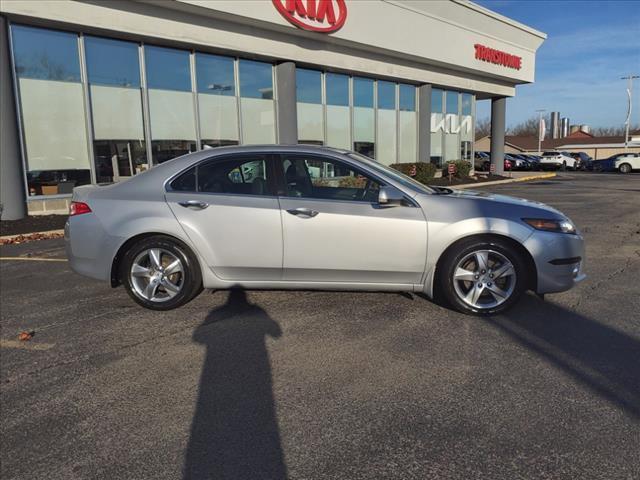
(559, 226)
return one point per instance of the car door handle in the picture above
(305, 212)
(194, 204)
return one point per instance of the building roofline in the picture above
(502, 18)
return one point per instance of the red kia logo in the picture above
(315, 15)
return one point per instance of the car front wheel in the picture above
(481, 276)
(160, 273)
(625, 168)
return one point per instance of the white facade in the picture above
(412, 69)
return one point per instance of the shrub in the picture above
(462, 168)
(420, 171)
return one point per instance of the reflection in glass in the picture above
(45, 54)
(167, 68)
(362, 92)
(309, 106)
(363, 117)
(437, 126)
(407, 100)
(337, 89)
(256, 102)
(308, 86)
(173, 127)
(466, 127)
(408, 124)
(256, 80)
(386, 95)
(114, 85)
(112, 62)
(387, 123)
(217, 103)
(215, 74)
(52, 110)
(452, 102)
(436, 101)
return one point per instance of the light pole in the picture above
(629, 79)
(540, 112)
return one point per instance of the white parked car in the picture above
(557, 160)
(628, 162)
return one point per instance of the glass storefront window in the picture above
(113, 71)
(52, 110)
(217, 101)
(466, 127)
(309, 106)
(363, 117)
(452, 102)
(452, 127)
(337, 87)
(437, 126)
(256, 103)
(407, 98)
(112, 62)
(386, 95)
(173, 129)
(338, 114)
(387, 123)
(408, 124)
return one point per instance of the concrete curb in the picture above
(500, 182)
(48, 232)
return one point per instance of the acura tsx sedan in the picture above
(306, 217)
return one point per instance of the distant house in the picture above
(596, 147)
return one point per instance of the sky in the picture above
(590, 45)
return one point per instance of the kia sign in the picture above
(497, 57)
(324, 16)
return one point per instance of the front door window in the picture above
(327, 179)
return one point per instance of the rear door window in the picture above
(246, 175)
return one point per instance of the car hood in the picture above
(504, 200)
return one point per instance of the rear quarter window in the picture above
(186, 182)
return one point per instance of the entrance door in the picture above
(334, 230)
(228, 209)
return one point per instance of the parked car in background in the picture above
(584, 160)
(534, 160)
(518, 162)
(557, 161)
(620, 162)
(304, 217)
(479, 160)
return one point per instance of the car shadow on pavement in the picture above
(235, 433)
(601, 357)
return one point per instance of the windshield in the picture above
(394, 174)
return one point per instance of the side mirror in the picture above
(390, 197)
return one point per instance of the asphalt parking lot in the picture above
(324, 385)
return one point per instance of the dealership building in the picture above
(95, 92)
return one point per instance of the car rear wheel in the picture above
(483, 276)
(160, 273)
(625, 168)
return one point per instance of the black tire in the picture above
(564, 166)
(465, 247)
(625, 168)
(191, 280)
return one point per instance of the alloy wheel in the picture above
(484, 279)
(157, 275)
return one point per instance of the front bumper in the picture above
(556, 258)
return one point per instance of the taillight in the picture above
(78, 208)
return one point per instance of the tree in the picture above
(527, 128)
(483, 128)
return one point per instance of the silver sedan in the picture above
(304, 217)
